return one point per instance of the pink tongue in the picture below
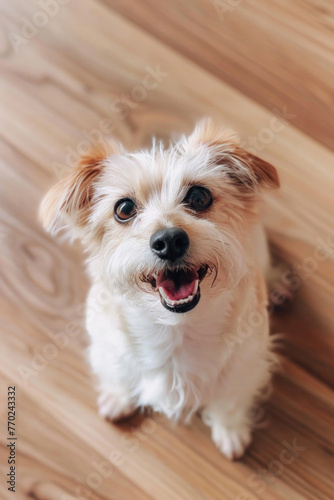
(178, 285)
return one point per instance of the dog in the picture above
(178, 259)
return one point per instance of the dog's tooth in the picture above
(179, 302)
(184, 301)
(166, 298)
(170, 302)
(162, 292)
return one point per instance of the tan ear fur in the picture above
(70, 199)
(263, 172)
(225, 146)
(209, 134)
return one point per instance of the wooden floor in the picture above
(83, 74)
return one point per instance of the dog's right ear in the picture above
(69, 201)
(245, 170)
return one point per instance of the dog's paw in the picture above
(114, 404)
(232, 441)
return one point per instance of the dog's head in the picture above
(165, 225)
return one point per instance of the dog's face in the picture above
(164, 226)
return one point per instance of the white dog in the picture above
(177, 260)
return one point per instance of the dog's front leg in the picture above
(115, 400)
(230, 427)
(242, 384)
(109, 355)
(115, 403)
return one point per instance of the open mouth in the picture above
(180, 290)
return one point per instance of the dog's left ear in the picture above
(242, 167)
(69, 201)
(260, 172)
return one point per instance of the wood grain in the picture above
(57, 89)
(64, 86)
(279, 53)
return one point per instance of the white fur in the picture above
(215, 358)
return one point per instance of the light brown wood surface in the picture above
(260, 56)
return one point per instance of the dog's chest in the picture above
(179, 371)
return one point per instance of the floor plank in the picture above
(185, 462)
(63, 87)
(279, 53)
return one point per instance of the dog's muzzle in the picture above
(179, 289)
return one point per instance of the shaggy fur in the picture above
(217, 357)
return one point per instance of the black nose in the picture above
(170, 244)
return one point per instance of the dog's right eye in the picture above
(125, 209)
(198, 198)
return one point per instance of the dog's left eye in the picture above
(125, 209)
(198, 198)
